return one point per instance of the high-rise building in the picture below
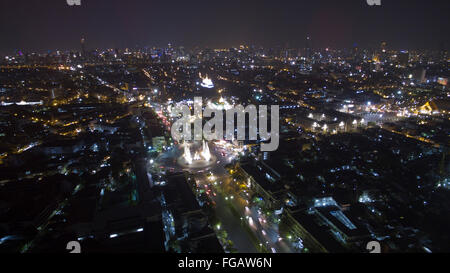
(403, 58)
(356, 53)
(419, 75)
(443, 52)
(83, 48)
(383, 54)
(383, 46)
(308, 48)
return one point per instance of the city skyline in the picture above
(224, 128)
(33, 26)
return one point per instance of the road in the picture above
(231, 207)
(233, 226)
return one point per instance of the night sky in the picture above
(40, 25)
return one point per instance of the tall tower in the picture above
(383, 47)
(443, 52)
(308, 47)
(383, 55)
(83, 48)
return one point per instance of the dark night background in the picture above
(37, 25)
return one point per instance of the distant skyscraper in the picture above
(383, 47)
(403, 58)
(83, 48)
(419, 75)
(383, 55)
(443, 52)
(308, 48)
(356, 53)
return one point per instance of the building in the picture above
(403, 58)
(159, 143)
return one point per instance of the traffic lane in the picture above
(229, 222)
(268, 232)
(237, 234)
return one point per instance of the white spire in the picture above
(187, 154)
(205, 151)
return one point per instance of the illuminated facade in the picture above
(207, 82)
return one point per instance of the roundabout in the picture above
(196, 156)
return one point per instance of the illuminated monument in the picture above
(205, 151)
(207, 82)
(202, 156)
(187, 155)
